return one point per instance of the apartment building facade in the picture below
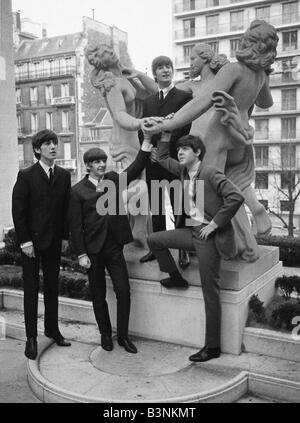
(221, 24)
(53, 91)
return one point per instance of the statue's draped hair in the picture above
(258, 46)
(215, 61)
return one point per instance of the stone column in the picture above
(8, 120)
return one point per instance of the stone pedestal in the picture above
(178, 316)
(8, 120)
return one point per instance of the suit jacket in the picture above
(88, 227)
(39, 209)
(222, 199)
(173, 102)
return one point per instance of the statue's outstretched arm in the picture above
(223, 81)
(143, 84)
(117, 107)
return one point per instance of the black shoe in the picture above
(128, 345)
(174, 283)
(31, 348)
(107, 343)
(205, 354)
(58, 338)
(148, 257)
(184, 259)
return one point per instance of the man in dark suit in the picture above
(39, 206)
(99, 232)
(168, 100)
(207, 230)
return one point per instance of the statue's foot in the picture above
(263, 222)
(139, 240)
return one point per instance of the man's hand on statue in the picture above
(170, 116)
(85, 262)
(29, 251)
(206, 231)
(152, 126)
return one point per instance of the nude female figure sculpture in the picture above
(124, 91)
(234, 91)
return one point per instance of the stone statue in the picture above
(123, 90)
(234, 91)
(205, 63)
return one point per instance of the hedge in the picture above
(289, 248)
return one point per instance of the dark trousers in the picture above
(50, 262)
(154, 172)
(209, 268)
(110, 257)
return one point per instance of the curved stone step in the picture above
(159, 373)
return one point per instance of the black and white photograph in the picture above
(149, 205)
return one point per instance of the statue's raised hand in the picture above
(152, 125)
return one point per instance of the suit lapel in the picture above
(41, 172)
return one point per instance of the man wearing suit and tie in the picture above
(168, 100)
(39, 207)
(99, 236)
(208, 230)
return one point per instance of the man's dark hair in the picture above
(94, 154)
(41, 137)
(195, 143)
(161, 61)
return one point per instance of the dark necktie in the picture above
(51, 176)
(161, 95)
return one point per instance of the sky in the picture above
(148, 22)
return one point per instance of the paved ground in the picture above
(13, 378)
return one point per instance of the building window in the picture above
(289, 99)
(49, 121)
(288, 128)
(18, 96)
(263, 13)
(289, 70)
(21, 153)
(289, 40)
(65, 90)
(189, 28)
(288, 156)
(234, 46)
(262, 156)
(212, 24)
(188, 5)
(212, 3)
(49, 93)
(261, 129)
(19, 119)
(65, 121)
(33, 96)
(265, 203)
(262, 180)
(286, 205)
(187, 51)
(289, 12)
(288, 180)
(67, 151)
(186, 75)
(237, 21)
(214, 45)
(34, 123)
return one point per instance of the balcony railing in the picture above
(232, 27)
(25, 76)
(62, 101)
(67, 164)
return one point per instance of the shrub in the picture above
(289, 248)
(10, 241)
(285, 284)
(282, 316)
(257, 309)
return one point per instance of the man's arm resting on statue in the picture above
(163, 155)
